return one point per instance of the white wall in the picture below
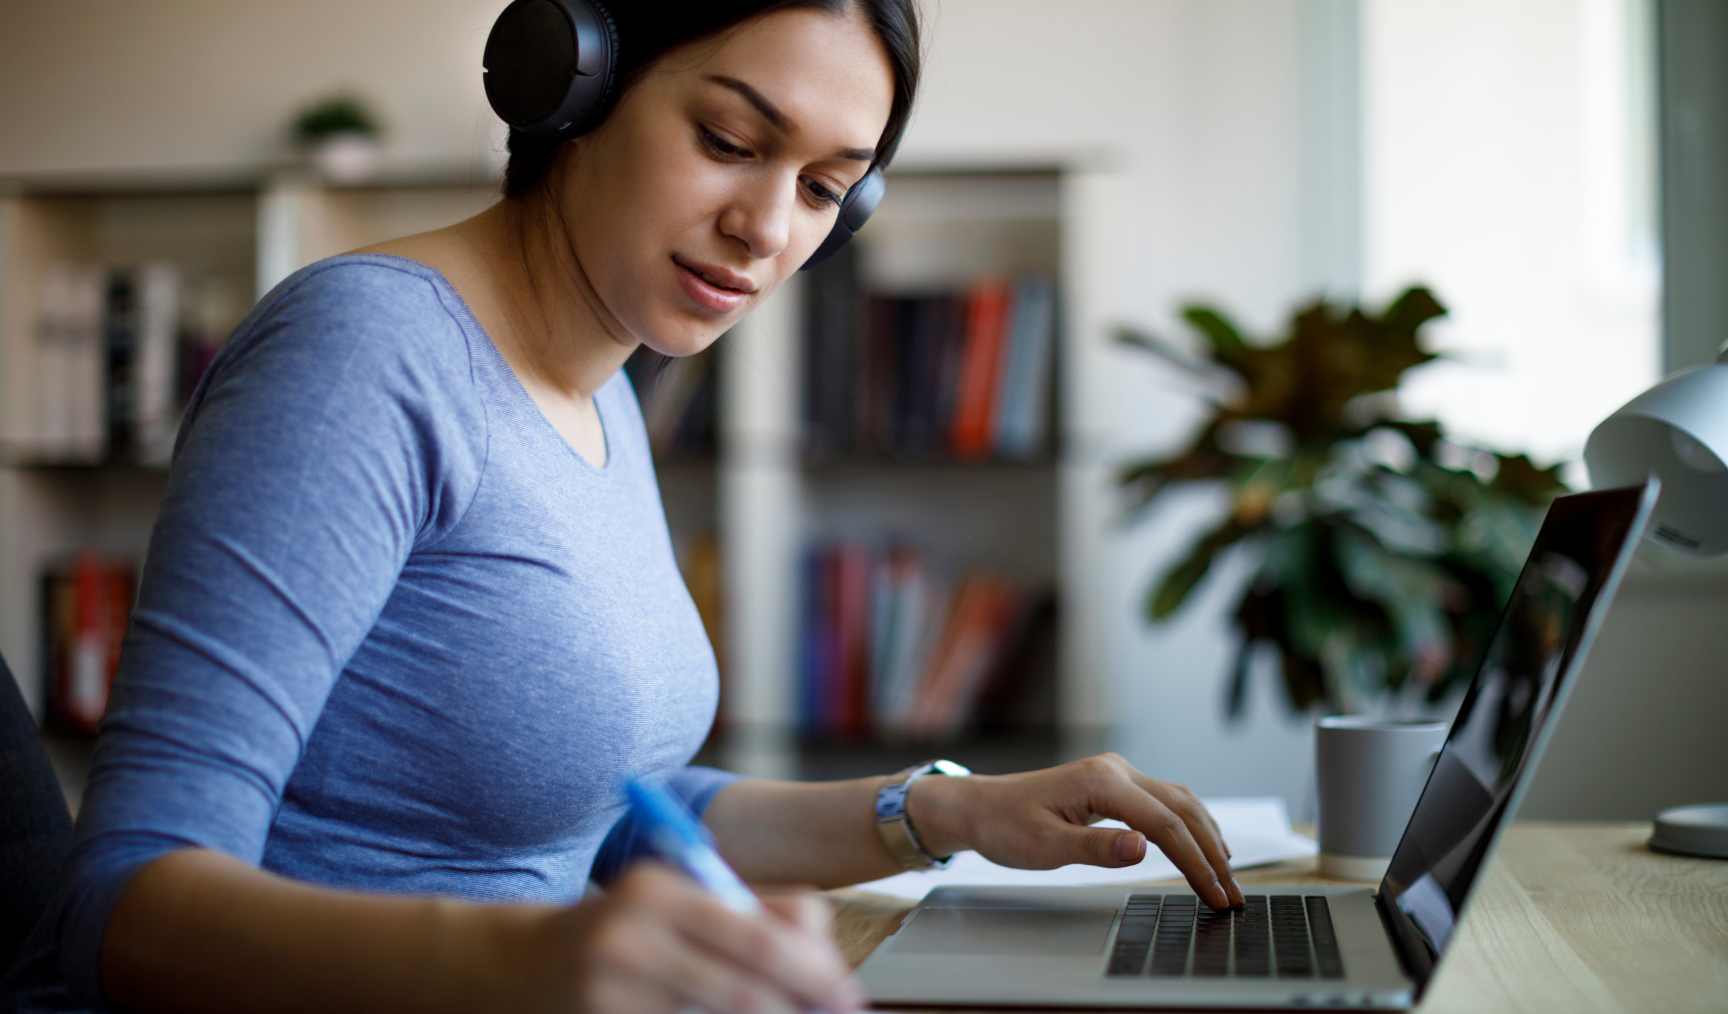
(177, 84)
(1508, 162)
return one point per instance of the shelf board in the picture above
(51, 467)
(988, 753)
(687, 463)
(911, 465)
(235, 179)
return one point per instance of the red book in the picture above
(852, 640)
(975, 404)
(98, 604)
(964, 652)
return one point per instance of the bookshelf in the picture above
(230, 237)
(753, 487)
(1036, 520)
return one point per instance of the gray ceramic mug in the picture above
(1371, 771)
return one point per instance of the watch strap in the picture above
(895, 827)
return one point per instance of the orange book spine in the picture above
(945, 679)
(975, 406)
(975, 648)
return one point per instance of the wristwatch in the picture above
(896, 828)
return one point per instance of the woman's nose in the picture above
(760, 217)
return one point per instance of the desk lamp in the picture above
(1679, 430)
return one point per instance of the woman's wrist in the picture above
(939, 810)
(495, 957)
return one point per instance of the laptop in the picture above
(1306, 946)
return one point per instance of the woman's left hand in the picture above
(1040, 820)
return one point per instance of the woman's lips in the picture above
(713, 288)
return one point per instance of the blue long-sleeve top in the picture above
(393, 633)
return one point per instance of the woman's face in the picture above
(719, 174)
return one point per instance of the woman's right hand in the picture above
(655, 943)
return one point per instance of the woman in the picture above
(410, 611)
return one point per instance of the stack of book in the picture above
(118, 352)
(678, 402)
(951, 374)
(893, 648)
(86, 605)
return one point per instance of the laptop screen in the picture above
(1555, 608)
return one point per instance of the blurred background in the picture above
(896, 490)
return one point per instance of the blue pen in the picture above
(681, 840)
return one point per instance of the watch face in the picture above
(951, 769)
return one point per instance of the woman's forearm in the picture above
(819, 833)
(825, 834)
(201, 931)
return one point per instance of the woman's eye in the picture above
(822, 193)
(715, 143)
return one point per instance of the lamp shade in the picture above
(1679, 430)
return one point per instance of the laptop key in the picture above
(1134, 936)
(1253, 939)
(1326, 956)
(1291, 954)
(1212, 943)
(1170, 944)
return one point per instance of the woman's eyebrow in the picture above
(773, 115)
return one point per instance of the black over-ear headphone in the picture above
(551, 71)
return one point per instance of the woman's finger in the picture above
(709, 982)
(1110, 847)
(805, 964)
(1194, 814)
(805, 909)
(1167, 829)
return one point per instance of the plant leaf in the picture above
(1174, 587)
(1223, 335)
(1164, 350)
(1415, 307)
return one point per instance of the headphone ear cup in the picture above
(550, 66)
(855, 209)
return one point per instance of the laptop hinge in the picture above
(1410, 966)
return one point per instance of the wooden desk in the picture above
(1570, 918)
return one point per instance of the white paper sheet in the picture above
(1256, 829)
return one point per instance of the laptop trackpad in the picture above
(1064, 932)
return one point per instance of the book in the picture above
(979, 376)
(1024, 377)
(86, 608)
(985, 609)
(832, 351)
(156, 399)
(848, 716)
(925, 375)
(892, 648)
(119, 352)
(70, 367)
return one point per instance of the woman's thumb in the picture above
(1109, 846)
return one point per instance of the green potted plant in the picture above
(341, 136)
(1382, 553)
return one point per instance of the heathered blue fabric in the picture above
(393, 634)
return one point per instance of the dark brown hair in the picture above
(649, 29)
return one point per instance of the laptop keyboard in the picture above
(1174, 936)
